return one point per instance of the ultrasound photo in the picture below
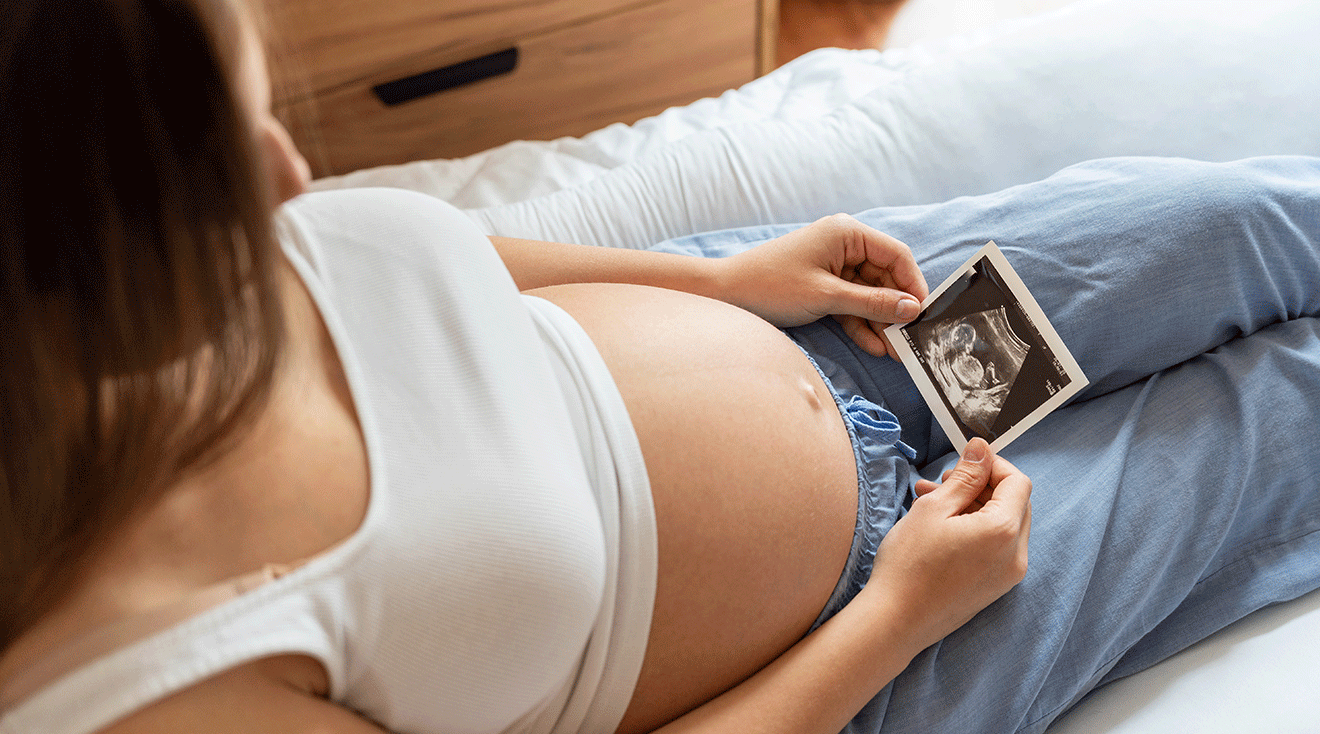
(984, 356)
(974, 359)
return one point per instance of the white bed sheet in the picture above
(1230, 78)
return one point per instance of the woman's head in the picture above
(138, 168)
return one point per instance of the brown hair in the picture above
(141, 319)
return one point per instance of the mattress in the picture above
(848, 130)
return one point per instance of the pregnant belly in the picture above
(752, 475)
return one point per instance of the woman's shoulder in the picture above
(391, 252)
(276, 499)
(400, 222)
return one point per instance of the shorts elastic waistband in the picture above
(884, 482)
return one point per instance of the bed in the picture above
(847, 130)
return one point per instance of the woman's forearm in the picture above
(835, 266)
(818, 684)
(535, 264)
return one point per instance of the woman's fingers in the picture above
(834, 266)
(885, 260)
(891, 285)
(1012, 488)
(925, 487)
(1015, 493)
(970, 477)
(868, 335)
(860, 331)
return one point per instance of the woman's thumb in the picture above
(970, 476)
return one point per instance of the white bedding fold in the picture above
(1228, 80)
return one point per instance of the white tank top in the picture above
(504, 575)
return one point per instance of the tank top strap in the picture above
(123, 631)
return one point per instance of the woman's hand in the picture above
(961, 546)
(835, 266)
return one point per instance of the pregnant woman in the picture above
(322, 467)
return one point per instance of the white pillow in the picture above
(807, 88)
(1207, 79)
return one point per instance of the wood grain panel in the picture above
(617, 68)
(321, 44)
(767, 42)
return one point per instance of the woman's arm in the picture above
(835, 266)
(962, 545)
(536, 264)
(244, 701)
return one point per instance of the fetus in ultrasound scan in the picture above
(975, 358)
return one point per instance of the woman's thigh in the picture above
(1162, 511)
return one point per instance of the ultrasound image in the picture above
(975, 359)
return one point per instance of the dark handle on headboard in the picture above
(447, 77)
